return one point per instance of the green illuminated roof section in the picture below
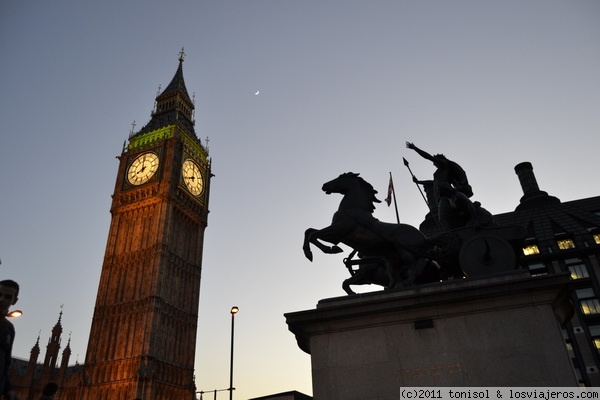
(152, 137)
(194, 147)
(192, 144)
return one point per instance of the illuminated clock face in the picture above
(142, 168)
(192, 177)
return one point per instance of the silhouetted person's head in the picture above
(9, 294)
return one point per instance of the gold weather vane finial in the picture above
(181, 55)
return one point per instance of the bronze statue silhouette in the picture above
(398, 247)
(447, 171)
(399, 255)
(451, 194)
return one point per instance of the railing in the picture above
(214, 392)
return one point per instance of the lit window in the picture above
(596, 238)
(588, 302)
(577, 268)
(565, 244)
(578, 271)
(531, 249)
(597, 343)
(590, 306)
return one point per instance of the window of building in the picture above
(595, 334)
(569, 346)
(595, 232)
(590, 306)
(589, 303)
(538, 269)
(565, 244)
(531, 250)
(584, 294)
(594, 330)
(530, 247)
(577, 268)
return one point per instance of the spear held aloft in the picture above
(415, 180)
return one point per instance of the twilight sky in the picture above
(343, 84)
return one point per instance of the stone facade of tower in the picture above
(143, 336)
(142, 340)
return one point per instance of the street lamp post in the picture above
(233, 311)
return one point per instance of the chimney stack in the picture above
(525, 172)
(532, 195)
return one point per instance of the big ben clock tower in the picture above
(143, 335)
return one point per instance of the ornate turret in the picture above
(64, 363)
(53, 344)
(173, 105)
(33, 358)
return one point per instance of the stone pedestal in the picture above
(496, 331)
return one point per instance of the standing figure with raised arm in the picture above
(447, 174)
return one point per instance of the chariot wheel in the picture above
(484, 254)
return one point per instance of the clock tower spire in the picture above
(143, 335)
(173, 105)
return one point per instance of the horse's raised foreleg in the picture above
(306, 245)
(312, 235)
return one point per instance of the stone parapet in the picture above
(495, 331)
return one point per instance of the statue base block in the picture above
(494, 331)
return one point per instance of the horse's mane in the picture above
(365, 186)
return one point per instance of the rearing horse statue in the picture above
(400, 246)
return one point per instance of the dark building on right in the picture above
(561, 237)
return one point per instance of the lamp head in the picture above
(234, 310)
(14, 314)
